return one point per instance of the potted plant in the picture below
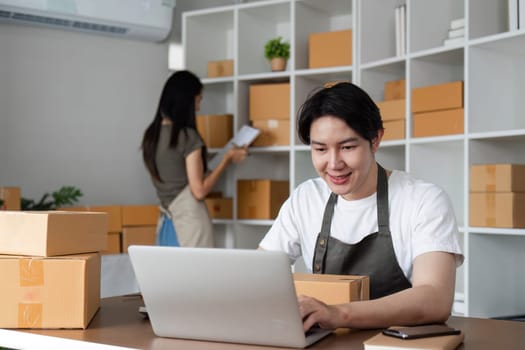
(66, 195)
(277, 52)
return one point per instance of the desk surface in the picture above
(118, 322)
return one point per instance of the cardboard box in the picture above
(215, 129)
(51, 233)
(437, 97)
(222, 68)
(140, 215)
(332, 289)
(395, 90)
(273, 133)
(497, 178)
(114, 243)
(11, 196)
(330, 49)
(447, 122)
(114, 214)
(270, 101)
(394, 130)
(260, 199)
(220, 208)
(57, 292)
(392, 110)
(143, 235)
(497, 209)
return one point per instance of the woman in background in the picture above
(175, 156)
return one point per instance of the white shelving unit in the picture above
(490, 62)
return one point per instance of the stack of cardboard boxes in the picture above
(50, 268)
(438, 109)
(139, 225)
(270, 113)
(216, 130)
(10, 198)
(393, 110)
(127, 225)
(497, 195)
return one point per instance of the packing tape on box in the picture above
(491, 181)
(361, 290)
(490, 220)
(30, 315)
(31, 274)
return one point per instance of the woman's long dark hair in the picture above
(177, 102)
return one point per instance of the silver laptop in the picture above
(226, 295)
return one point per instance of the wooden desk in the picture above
(118, 322)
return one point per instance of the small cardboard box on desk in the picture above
(52, 277)
(332, 289)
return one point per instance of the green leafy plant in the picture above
(277, 48)
(1, 205)
(66, 195)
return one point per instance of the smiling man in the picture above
(357, 218)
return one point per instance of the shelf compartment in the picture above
(303, 168)
(497, 283)
(373, 79)
(208, 37)
(377, 30)
(223, 233)
(218, 98)
(257, 25)
(442, 164)
(488, 17)
(313, 16)
(392, 157)
(429, 22)
(437, 68)
(497, 94)
(249, 233)
(274, 166)
(497, 150)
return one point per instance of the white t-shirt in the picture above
(421, 220)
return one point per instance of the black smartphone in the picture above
(424, 331)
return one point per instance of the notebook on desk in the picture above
(226, 295)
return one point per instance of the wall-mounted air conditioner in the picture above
(132, 19)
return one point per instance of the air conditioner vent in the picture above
(41, 19)
(128, 19)
(100, 28)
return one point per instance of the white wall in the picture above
(73, 108)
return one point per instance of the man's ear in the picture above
(376, 141)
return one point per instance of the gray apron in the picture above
(191, 220)
(373, 256)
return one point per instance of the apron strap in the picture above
(322, 240)
(383, 216)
